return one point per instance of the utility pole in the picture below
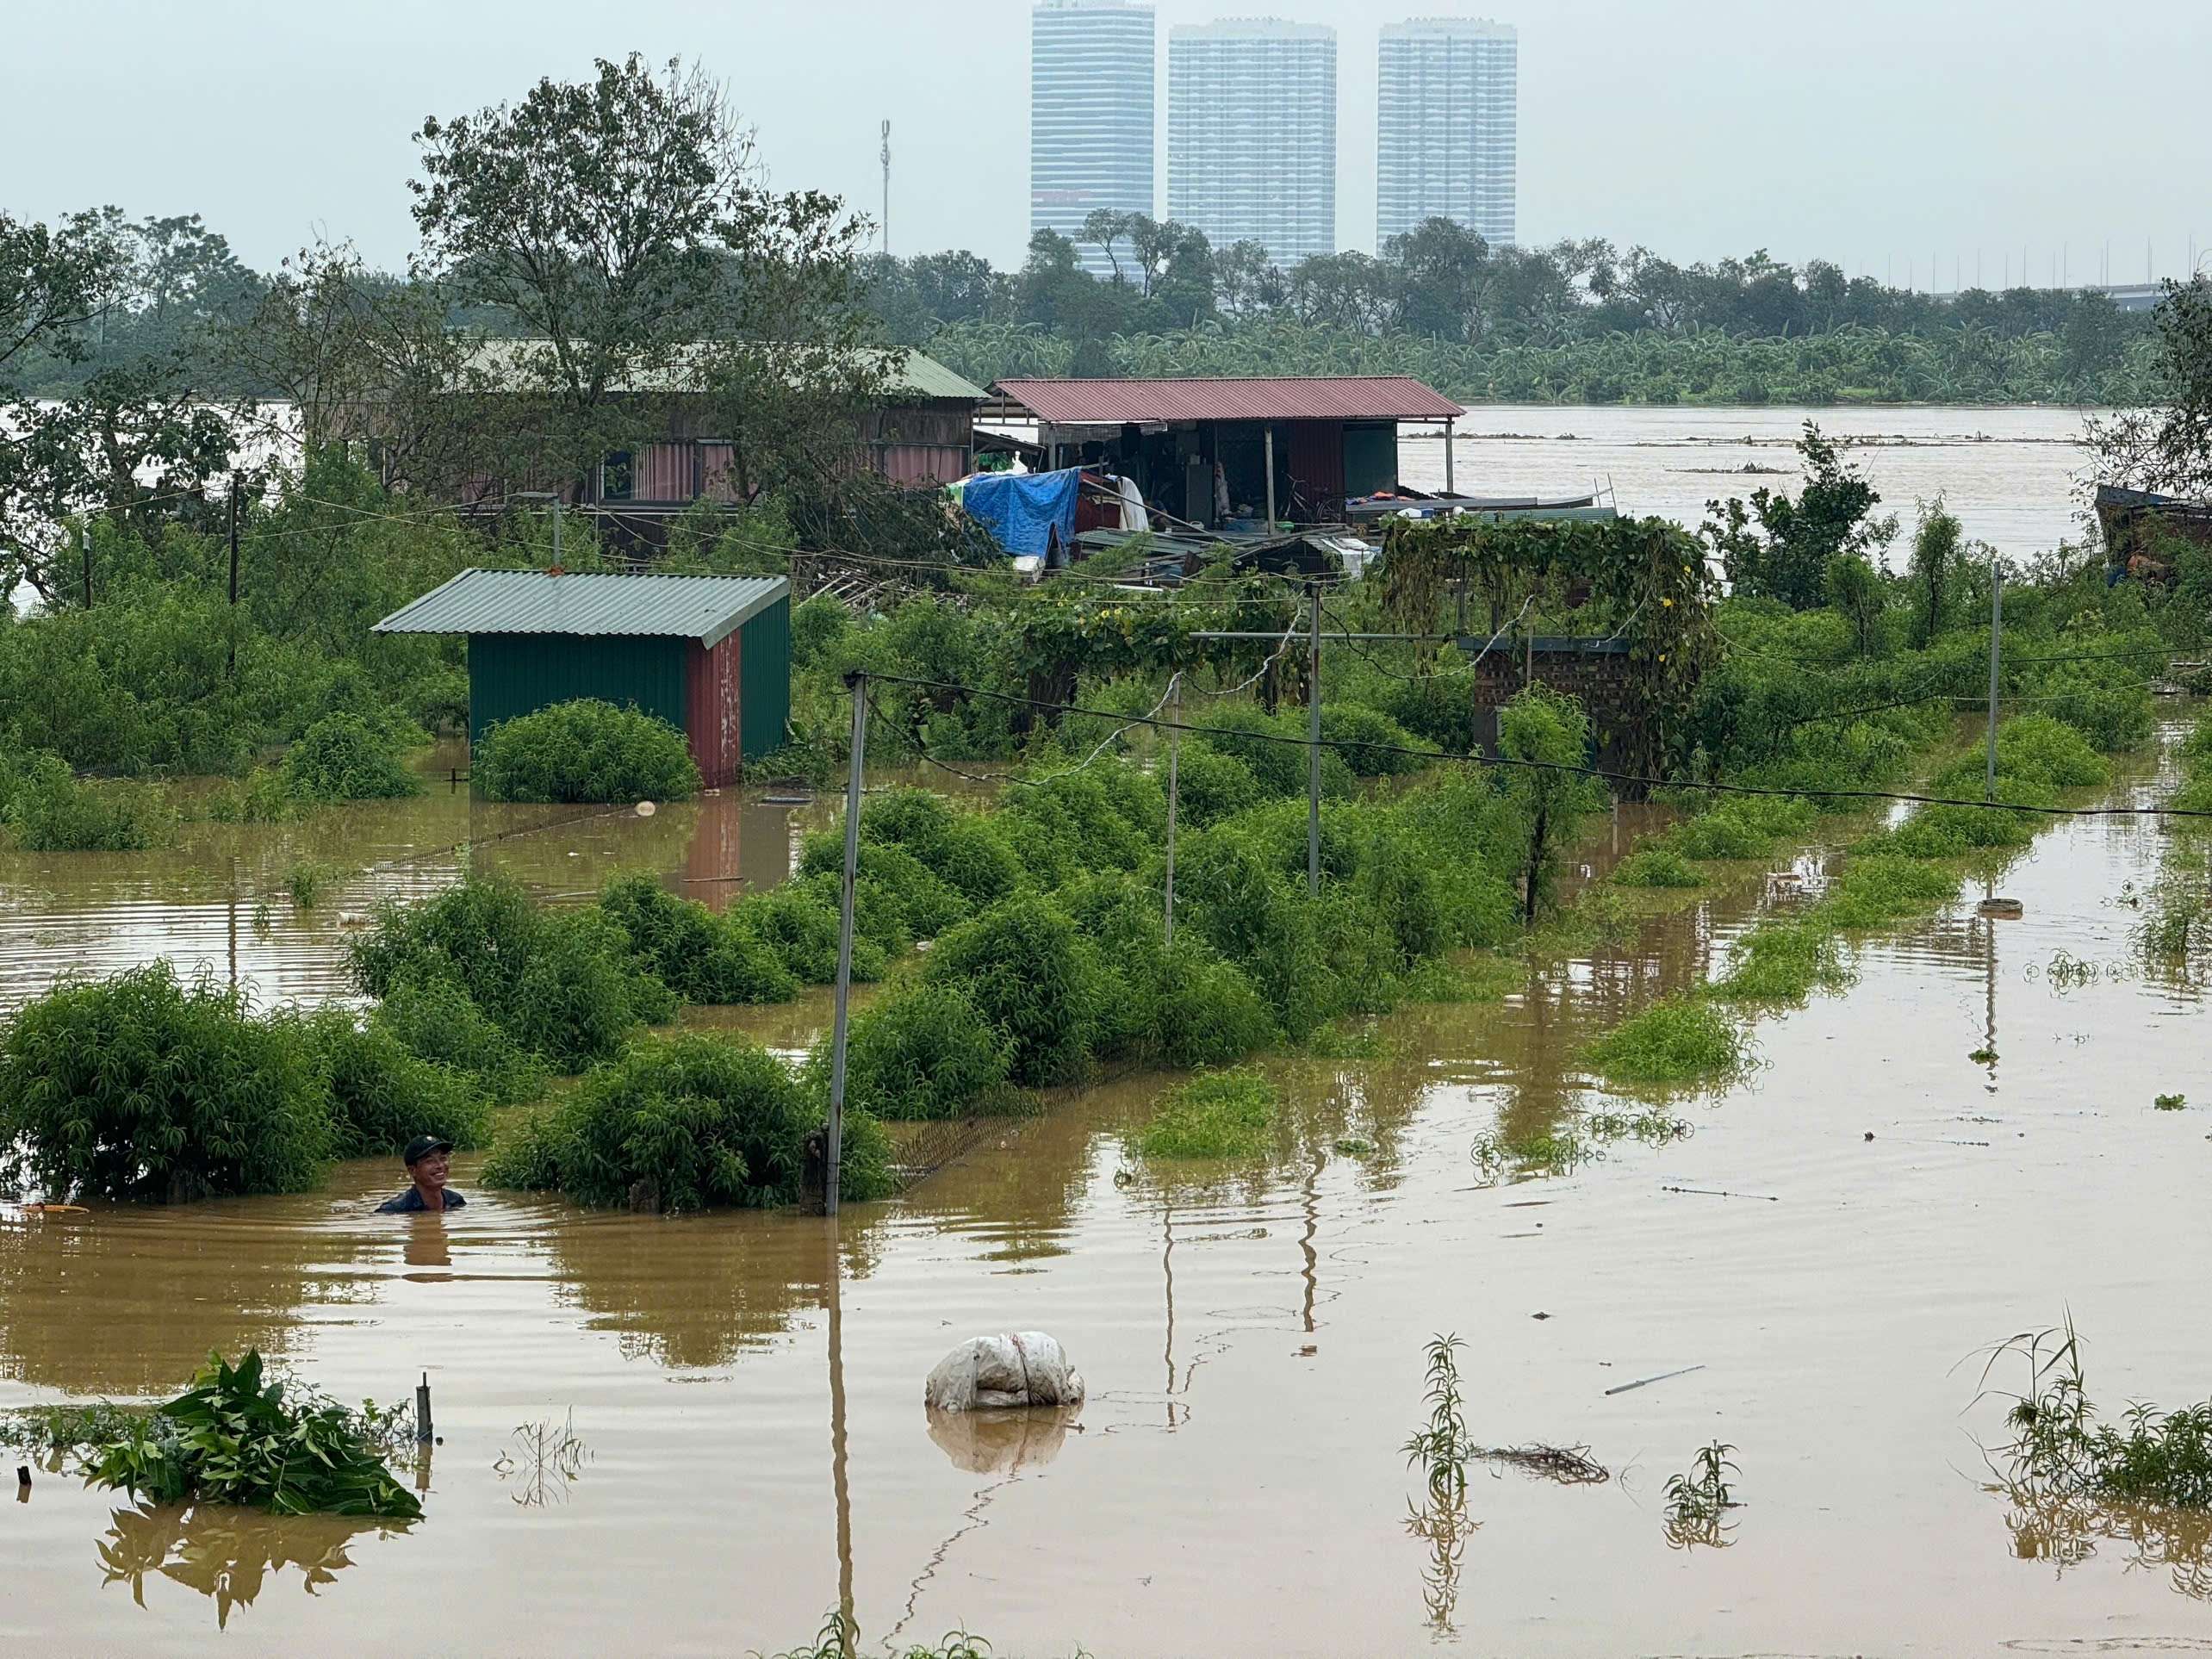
(1313, 749)
(1267, 460)
(835, 1150)
(886, 189)
(1174, 736)
(1448, 489)
(234, 572)
(84, 546)
(1996, 625)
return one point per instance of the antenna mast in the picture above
(887, 189)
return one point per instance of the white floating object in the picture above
(646, 809)
(1019, 1368)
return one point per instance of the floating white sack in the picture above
(1021, 1368)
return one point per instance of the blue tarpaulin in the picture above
(1022, 509)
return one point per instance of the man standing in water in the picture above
(427, 1164)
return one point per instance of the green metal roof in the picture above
(705, 608)
(513, 364)
(924, 376)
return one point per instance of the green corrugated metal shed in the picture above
(710, 654)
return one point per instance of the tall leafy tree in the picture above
(1776, 547)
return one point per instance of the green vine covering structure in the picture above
(1643, 581)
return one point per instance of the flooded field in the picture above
(2010, 473)
(1816, 1266)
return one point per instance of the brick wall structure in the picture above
(1593, 671)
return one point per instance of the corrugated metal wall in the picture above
(513, 674)
(764, 672)
(713, 696)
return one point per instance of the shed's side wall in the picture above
(764, 673)
(514, 673)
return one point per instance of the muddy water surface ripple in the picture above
(1251, 1337)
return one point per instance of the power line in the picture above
(1600, 773)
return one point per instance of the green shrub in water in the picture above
(342, 758)
(701, 957)
(1029, 973)
(230, 1439)
(562, 985)
(695, 1122)
(1655, 866)
(139, 1087)
(381, 1095)
(927, 903)
(1742, 826)
(46, 810)
(1214, 1115)
(1209, 785)
(439, 1020)
(923, 1052)
(799, 921)
(1676, 1039)
(2035, 748)
(584, 750)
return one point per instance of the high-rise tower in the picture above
(1091, 115)
(1447, 102)
(1252, 133)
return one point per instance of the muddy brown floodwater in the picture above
(746, 1389)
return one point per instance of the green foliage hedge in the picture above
(46, 810)
(586, 750)
(341, 757)
(694, 1122)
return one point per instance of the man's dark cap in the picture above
(421, 1147)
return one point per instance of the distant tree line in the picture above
(1580, 321)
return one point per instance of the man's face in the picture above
(429, 1170)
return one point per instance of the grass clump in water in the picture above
(1698, 1498)
(1522, 1156)
(2170, 1103)
(584, 750)
(694, 1123)
(1676, 1039)
(1214, 1115)
(1879, 889)
(1655, 866)
(1783, 962)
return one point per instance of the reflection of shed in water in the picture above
(710, 654)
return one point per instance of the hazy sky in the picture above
(1866, 131)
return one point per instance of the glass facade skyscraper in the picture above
(1091, 115)
(1251, 135)
(1447, 120)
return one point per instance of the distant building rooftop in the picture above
(1279, 397)
(706, 608)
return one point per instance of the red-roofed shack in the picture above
(1288, 447)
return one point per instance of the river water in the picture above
(2011, 473)
(746, 1388)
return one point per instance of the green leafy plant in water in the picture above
(230, 1439)
(342, 757)
(585, 750)
(2060, 1448)
(1655, 866)
(1698, 1499)
(1441, 1450)
(310, 880)
(839, 1638)
(1551, 1151)
(2170, 1103)
(1214, 1115)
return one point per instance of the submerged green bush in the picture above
(563, 985)
(46, 810)
(381, 1095)
(1676, 1039)
(1655, 866)
(1027, 973)
(437, 1020)
(1877, 890)
(694, 1123)
(585, 750)
(341, 757)
(1783, 961)
(702, 957)
(139, 1087)
(1214, 1115)
(923, 1052)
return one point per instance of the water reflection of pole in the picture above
(1306, 1244)
(1167, 1272)
(835, 1302)
(1989, 1037)
(233, 924)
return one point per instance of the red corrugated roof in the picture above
(1277, 397)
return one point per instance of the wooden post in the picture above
(1448, 489)
(1313, 749)
(1995, 625)
(835, 1150)
(1174, 733)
